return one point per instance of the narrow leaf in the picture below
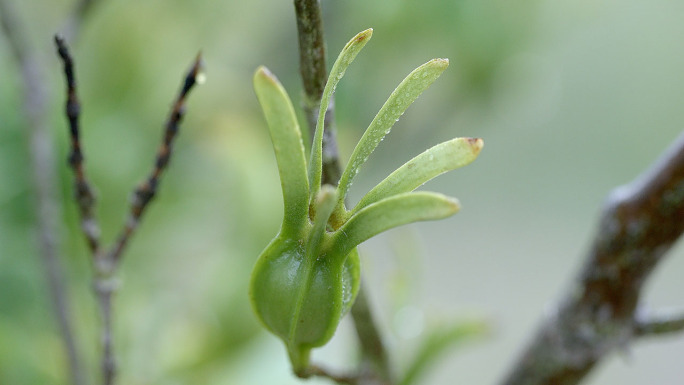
(346, 57)
(287, 144)
(401, 98)
(435, 161)
(392, 212)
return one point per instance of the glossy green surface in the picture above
(308, 276)
(301, 300)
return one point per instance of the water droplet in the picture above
(200, 78)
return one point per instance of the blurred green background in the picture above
(572, 98)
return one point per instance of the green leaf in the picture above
(435, 161)
(437, 343)
(401, 98)
(392, 212)
(287, 144)
(346, 57)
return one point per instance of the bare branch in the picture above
(85, 198)
(662, 322)
(106, 263)
(147, 190)
(640, 223)
(43, 178)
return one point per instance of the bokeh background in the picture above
(572, 97)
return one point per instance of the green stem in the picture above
(313, 71)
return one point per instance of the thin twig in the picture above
(314, 77)
(315, 370)
(43, 178)
(106, 263)
(147, 190)
(662, 322)
(103, 282)
(640, 223)
(85, 198)
(375, 358)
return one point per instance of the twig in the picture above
(314, 77)
(106, 263)
(662, 322)
(85, 198)
(375, 359)
(598, 314)
(147, 190)
(42, 159)
(315, 370)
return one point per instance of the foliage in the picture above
(308, 276)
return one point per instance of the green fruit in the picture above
(307, 278)
(302, 300)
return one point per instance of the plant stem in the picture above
(375, 359)
(314, 77)
(35, 108)
(599, 314)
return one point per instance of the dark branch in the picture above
(85, 198)
(640, 223)
(148, 189)
(105, 264)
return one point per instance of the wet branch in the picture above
(106, 262)
(600, 312)
(375, 367)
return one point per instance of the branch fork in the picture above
(106, 261)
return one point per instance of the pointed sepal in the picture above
(435, 161)
(287, 145)
(392, 212)
(401, 98)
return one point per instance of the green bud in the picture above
(308, 276)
